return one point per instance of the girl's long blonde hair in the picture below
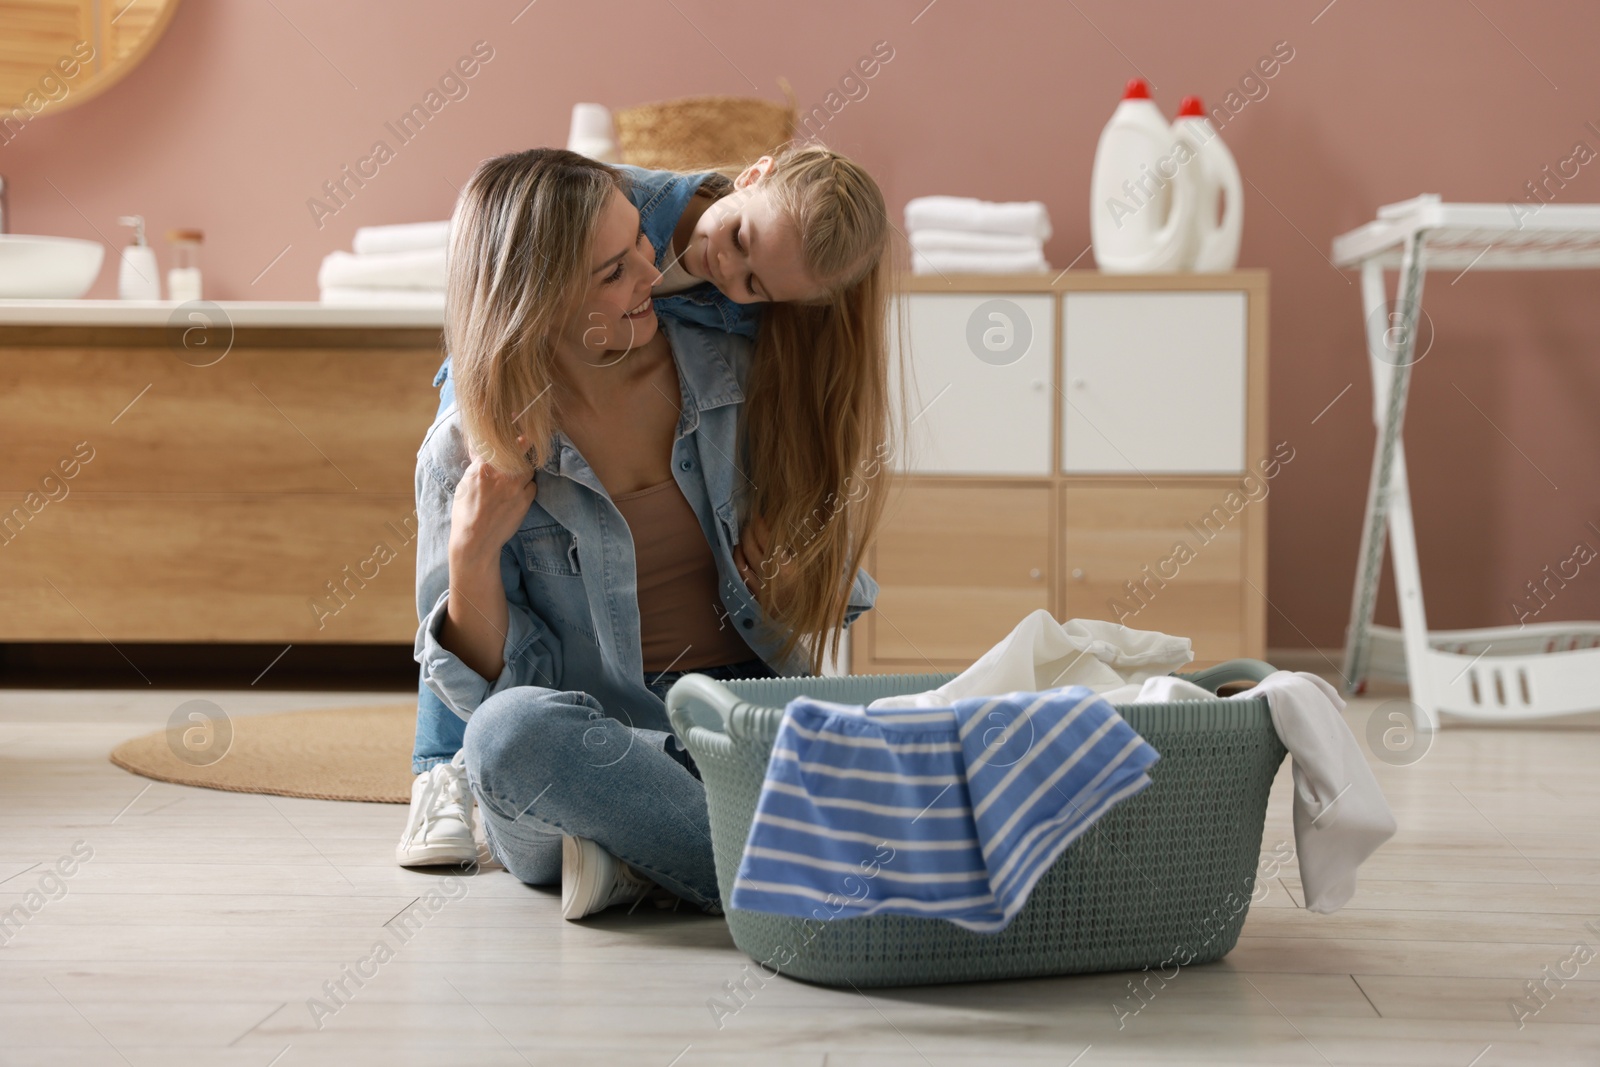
(816, 414)
(817, 404)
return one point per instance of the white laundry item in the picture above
(1029, 218)
(417, 269)
(403, 237)
(1340, 814)
(1041, 653)
(967, 241)
(358, 297)
(941, 261)
(1164, 690)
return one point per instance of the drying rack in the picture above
(1501, 673)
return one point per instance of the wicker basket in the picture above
(1164, 879)
(700, 133)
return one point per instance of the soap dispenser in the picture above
(138, 278)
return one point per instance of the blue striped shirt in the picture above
(950, 813)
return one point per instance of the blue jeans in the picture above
(544, 764)
(439, 730)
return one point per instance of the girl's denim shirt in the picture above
(569, 570)
(661, 197)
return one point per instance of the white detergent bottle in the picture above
(1141, 200)
(1216, 232)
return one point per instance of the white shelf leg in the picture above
(1408, 590)
(1391, 349)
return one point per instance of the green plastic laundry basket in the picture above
(1163, 880)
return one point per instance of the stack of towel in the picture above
(959, 234)
(392, 266)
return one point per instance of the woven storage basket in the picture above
(703, 132)
(1165, 878)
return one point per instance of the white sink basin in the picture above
(47, 268)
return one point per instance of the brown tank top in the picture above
(681, 617)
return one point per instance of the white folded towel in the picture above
(403, 237)
(1340, 814)
(966, 241)
(353, 296)
(416, 269)
(1027, 218)
(1041, 653)
(940, 261)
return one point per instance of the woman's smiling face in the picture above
(747, 247)
(616, 313)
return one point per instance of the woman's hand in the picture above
(489, 507)
(755, 560)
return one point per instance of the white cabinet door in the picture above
(978, 395)
(1153, 382)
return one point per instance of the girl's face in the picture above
(616, 313)
(748, 248)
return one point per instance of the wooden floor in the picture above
(206, 926)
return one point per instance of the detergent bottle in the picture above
(1216, 177)
(1142, 201)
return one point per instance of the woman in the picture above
(580, 417)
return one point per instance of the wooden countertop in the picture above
(309, 314)
(240, 313)
(1068, 281)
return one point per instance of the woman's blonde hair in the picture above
(816, 415)
(520, 240)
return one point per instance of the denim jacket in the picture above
(569, 570)
(661, 196)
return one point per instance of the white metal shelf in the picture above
(1500, 673)
(1524, 236)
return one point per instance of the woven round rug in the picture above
(360, 753)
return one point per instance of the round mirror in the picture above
(59, 53)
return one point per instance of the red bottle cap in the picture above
(1191, 108)
(1136, 90)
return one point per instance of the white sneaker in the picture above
(439, 825)
(592, 879)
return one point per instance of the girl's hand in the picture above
(489, 507)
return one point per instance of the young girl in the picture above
(806, 227)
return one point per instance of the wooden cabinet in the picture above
(1125, 484)
(957, 566)
(1168, 557)
(263, 497)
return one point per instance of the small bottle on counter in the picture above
(183, 277)
(138, 277)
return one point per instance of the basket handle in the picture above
(698, 687)
(1234, 670)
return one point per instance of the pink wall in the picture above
(241, 113)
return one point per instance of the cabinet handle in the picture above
(1036, 574)
(1079, 383)
(1077, 574)
(1036, 385)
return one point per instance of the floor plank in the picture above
(219, 928)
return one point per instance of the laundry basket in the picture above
(1163, 880)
